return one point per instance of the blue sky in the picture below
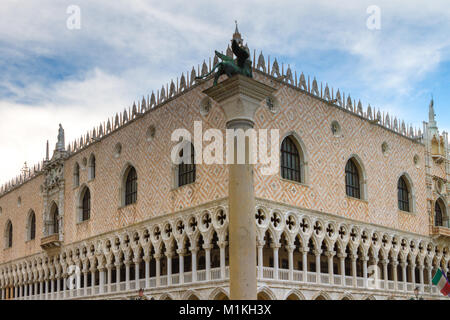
(125, 49)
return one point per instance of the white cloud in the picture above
(125, 49)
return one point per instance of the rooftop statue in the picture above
(242, 65)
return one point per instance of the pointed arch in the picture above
(185, 172)
(346, 296)
(76, 175)
(405, 193)
(166, 296)
(322, 295)
(219, 294)
(53, 227)
(440, 213)
(8, 234)
(355, 178)
(191, 295)
(129, 185)
(265, 293)
(92, 166)
(84, 204)
(293, 158)
(295, 294)
(31, 226)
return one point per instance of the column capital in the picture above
(181, 252)
(342, 255)
(290, 248)
(330, 254)
(223, 244)
(317, 252)
(193, 249)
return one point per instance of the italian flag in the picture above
(441, 281)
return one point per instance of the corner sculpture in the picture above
(230, 67)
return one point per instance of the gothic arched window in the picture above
(403, 194)
(31, 230)
(9, 235)
(92, 167)
(438, 214)
(54, 215)
(186, 169)
(76, 175)
(290, 161)
(352, 182)
(131, 187)
(86, 205)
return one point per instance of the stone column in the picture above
(169, 267)
(330, 255)
(260, 259)
(127, 275)
(412, 267)
(181, 253)
(101, 283)
(92, 280)
(385, 273)
(404, 264)
(275, 249)
(109, 277)
(239, 97)
(364, 259)
(353, 257)
(147, 271)
(194, 263)
(421, 278)
(207, 248)
(341, 257)
(305, 263)
(136, 273)
(117, 264)
(394, 272)
(290, 250)
(317, 254)
(157, 257)
(222, 246)
(85, 281)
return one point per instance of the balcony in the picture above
(269, 275)
(440, 232)
(51, 242)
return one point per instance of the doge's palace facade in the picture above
(357, 210)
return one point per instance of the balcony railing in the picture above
(268, 273)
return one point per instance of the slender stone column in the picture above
(109, 277)
(194, 263)
(92, 280)
(317, 254)
(404, 264)
(169, 267)
(275, 249)
(305, 263)
(101, 282)
(421, 277)
(412, 267)
(157, 257)
(64, 286)
(136, 273)
(222, 246)
(385, 273)
(260, 259)
(239, 97)
(341, 257)
(147, 271)
(290, 249)
(207, 248)
(394, 272)
(181, 253)
(353, 257)
(117, 264)
(85, 282)
(127, 275)
(330, 255)
(364, 259)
